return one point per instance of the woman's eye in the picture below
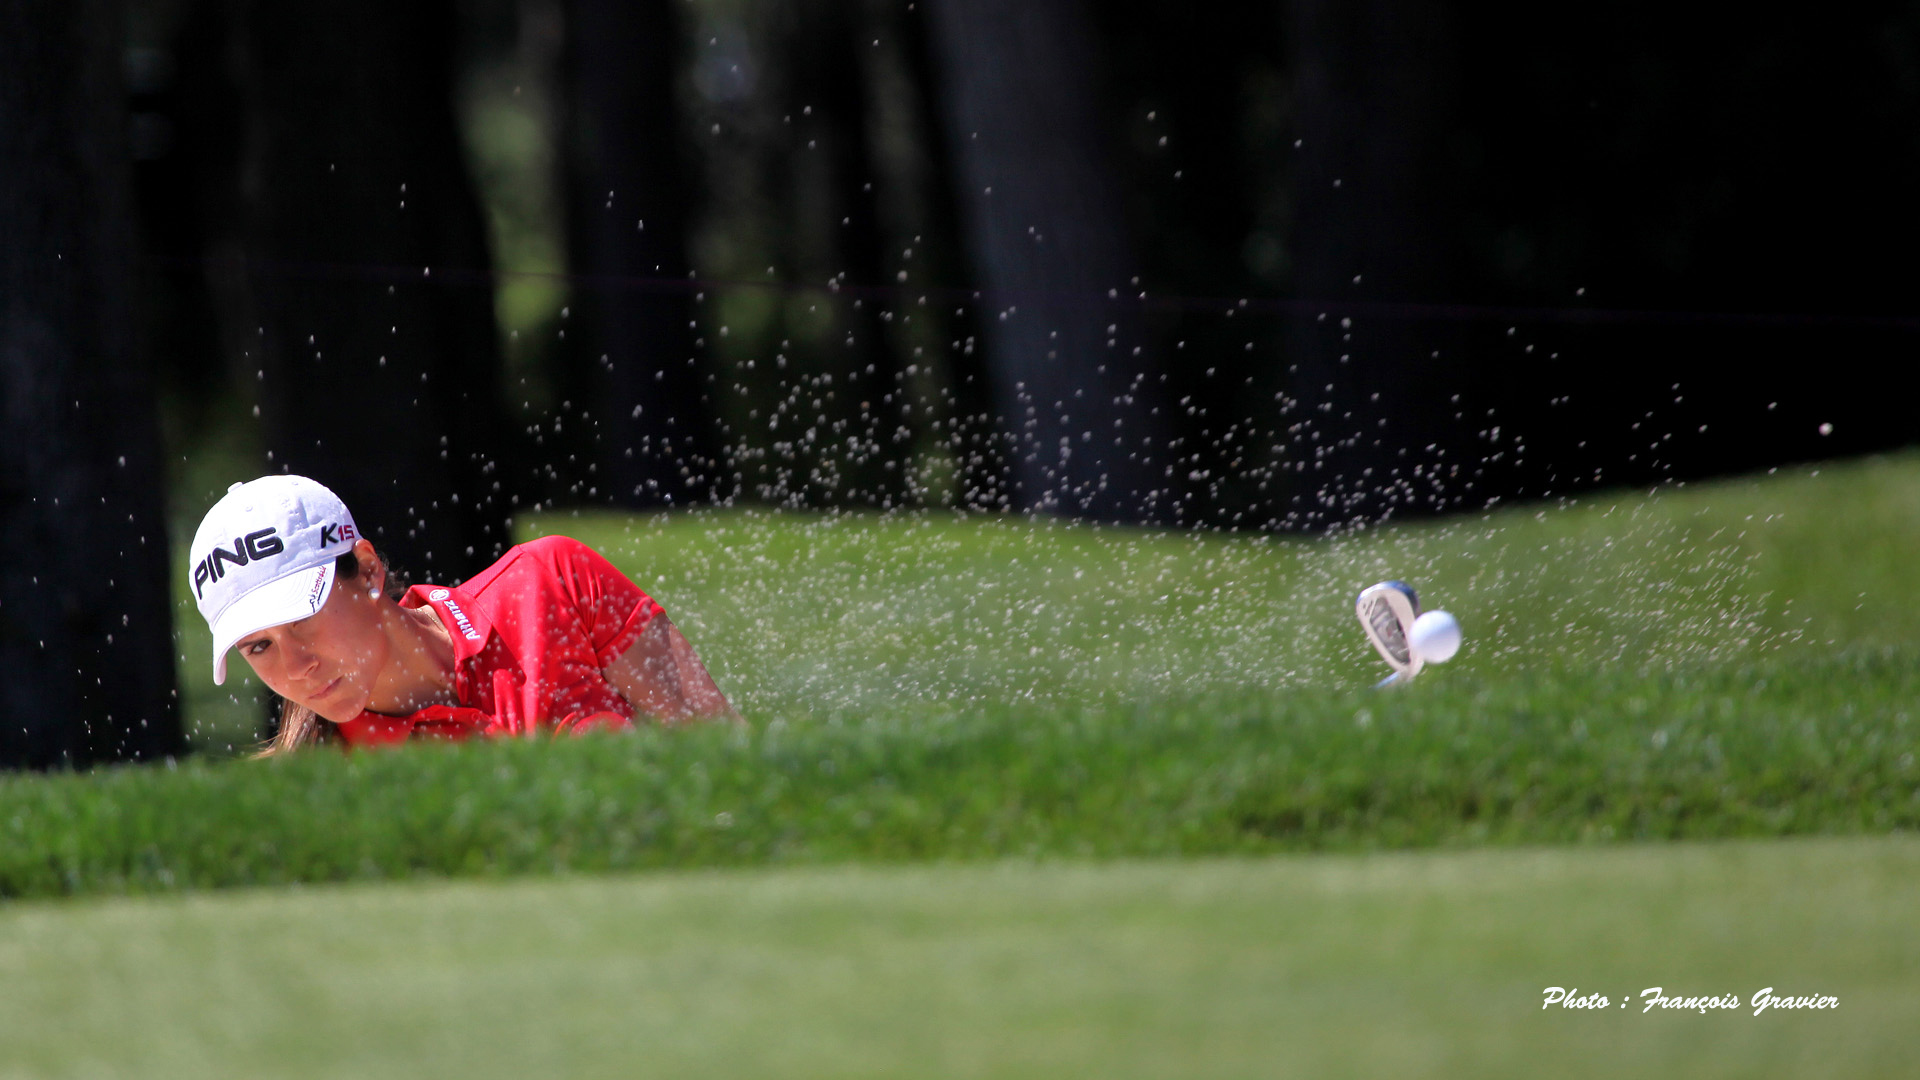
(256, 648)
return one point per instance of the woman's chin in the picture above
(340, 706)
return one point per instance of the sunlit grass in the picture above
(800, 611)
(1721, 660)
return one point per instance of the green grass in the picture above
(1402, 965)
(1738, 751)
(804, 613)
(946, 844)
(1734, 660)
(799, 613)
(1688, 663)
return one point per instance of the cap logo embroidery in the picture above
(248, 548)
(261, 544)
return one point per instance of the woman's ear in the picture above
(372, 571)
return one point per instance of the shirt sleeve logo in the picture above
(459, 617)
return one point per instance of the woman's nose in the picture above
(300, 659)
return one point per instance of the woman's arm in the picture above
(664, 679)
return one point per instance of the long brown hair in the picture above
(299, 725)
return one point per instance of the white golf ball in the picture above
(1435, 637)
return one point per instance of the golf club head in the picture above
(1387, 611)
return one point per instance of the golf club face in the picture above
(1387, 611)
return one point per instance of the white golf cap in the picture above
(264, 556)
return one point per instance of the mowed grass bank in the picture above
(1732, 660)
(1403, 965)
(1773, 750)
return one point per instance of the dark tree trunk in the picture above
(186, 176)
(835, 240)
(946, 380)
(85, 619)
(630, 354)
(1079, 401)
(1203, 125)
(817, 395)
(1371, 207)
(376, 345)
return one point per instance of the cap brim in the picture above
(296, 596)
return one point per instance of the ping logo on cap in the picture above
(253, 547)
(248, 548)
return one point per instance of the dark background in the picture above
(1286, 266)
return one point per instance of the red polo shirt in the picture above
(531, 635)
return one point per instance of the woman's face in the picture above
(327, 662)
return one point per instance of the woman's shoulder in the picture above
(554, 546)
(546, 555)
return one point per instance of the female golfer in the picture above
(550, 638)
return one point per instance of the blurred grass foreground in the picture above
(1409, 964)
(1707, 661)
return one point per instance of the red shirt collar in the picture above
(468, 624)
(465, 622)
(470, 628)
